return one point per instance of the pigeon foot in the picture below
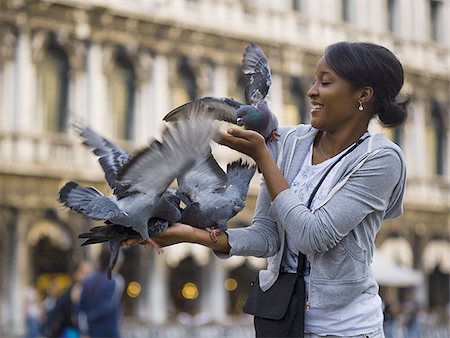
(213, 233)
(152, 243)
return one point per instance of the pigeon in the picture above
(255, 113)
(211, 196)
(116, 234)
(144, 179)
(110, 156)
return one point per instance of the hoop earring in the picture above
(360, 108)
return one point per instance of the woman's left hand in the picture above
(248, 142)
(176, 233)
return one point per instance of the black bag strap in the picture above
(302, 257)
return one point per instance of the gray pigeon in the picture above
(254, 114)
(212, 197)
(115, 234)
(144, 179)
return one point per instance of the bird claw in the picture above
(152, 243)
(213, 234)
(275, 135)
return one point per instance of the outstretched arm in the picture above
(181, 233)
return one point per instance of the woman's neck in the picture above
(328, 144)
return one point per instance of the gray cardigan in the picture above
(340, 232)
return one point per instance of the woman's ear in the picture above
(366, 94)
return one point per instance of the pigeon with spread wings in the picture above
(211, 198)
(255, 113)
(140, 185)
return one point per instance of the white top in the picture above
(364, 314)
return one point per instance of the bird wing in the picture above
(152, 170)
(256, 66)
(88, 201)
(218, 108)
(111, 156)
(204, 178)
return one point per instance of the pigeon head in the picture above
(252, 118)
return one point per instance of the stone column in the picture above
(214, 299)
(95, 90)
(24, 98)
(25, 85)
(418, 139)
(144, 119)
(219, 84)
(160, 86)
(7, 51)
(78, 107)
(19, 276)
(154, 305)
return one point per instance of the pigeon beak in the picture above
(239, 121)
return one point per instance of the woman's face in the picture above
(334, 101)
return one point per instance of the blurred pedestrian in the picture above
(100, 307)
(33, 312)
(62, 320)
(391, 310)
(411, 311)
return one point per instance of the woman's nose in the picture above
(312, 91)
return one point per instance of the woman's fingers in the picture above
(133, 241)
(245, 141)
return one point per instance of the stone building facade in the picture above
(122, 65)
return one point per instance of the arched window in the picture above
(436, 20)
(392, 11)
(186, 286)
(237, 86)
(295, 106)
(53, 85)
(186, 85)
(436, 138)
(121, 90)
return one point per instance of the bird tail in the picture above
(104, 233)
(240, 173)
(88, 201)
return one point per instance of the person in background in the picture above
(325, 191)
(411, 309)
(33, 310)
(100, 307)
(391, 311)
(62, 320)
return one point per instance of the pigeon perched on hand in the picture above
(212, 197)
(255, 113)
(144, 179)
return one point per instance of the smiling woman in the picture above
(326, 189)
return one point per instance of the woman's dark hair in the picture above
(368, 64)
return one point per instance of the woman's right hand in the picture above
(248, 142)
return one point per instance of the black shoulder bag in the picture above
(280, 311)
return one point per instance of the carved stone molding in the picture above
(39, 41)
(8, 41)
(108, 57)
(77, 54)
(203, 75)
(143, 62)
